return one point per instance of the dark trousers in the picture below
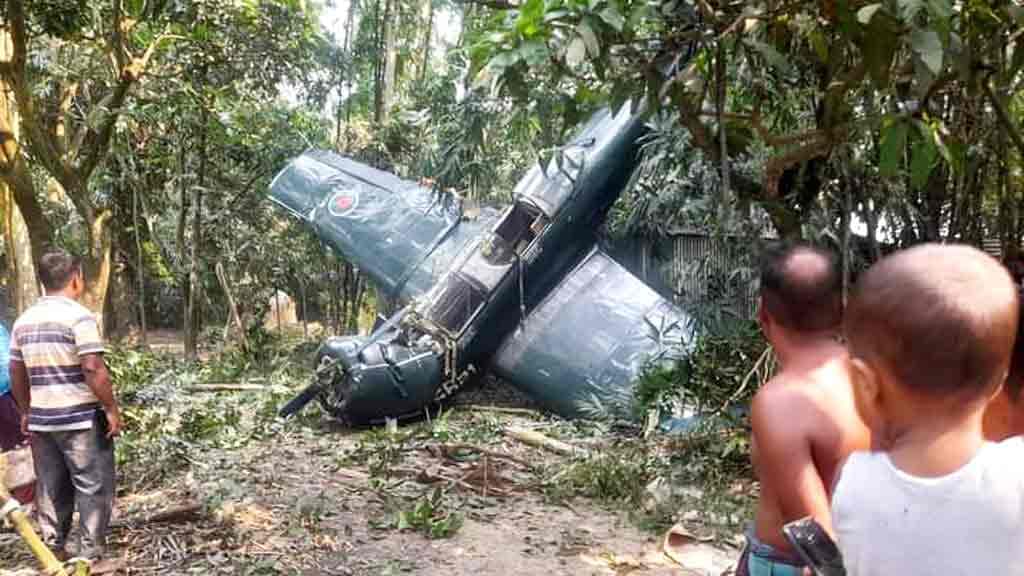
(75, 467)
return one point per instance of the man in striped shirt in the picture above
(63, 392)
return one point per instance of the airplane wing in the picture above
(591, 338)
(403, 235)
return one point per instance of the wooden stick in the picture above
(232, 305)
(500, 409)
(184, 513)
(534, 438)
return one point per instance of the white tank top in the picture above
(970, 522)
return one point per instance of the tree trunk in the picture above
(23, 251)
(97, 264)
(140, 264)
(725, 206)
(193, 318)
(302, 297)
(179, 240)
(345, 278)
(428, 32)
(386, 66)
(23, 288)
(845, 223)
(348, 55)
(357, 302)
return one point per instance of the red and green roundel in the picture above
(343, 202)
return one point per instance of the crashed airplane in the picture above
(524, 292)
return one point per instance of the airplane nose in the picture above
(385, 380)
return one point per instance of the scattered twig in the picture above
(226, 388)
(447, 448)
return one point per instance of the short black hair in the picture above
(56, 268)
(802, 294)
(942, 318)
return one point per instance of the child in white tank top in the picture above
(930, 332)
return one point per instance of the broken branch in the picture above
(184, 513)
(1004, 118)
(538, 440)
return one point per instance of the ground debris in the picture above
(216, 484)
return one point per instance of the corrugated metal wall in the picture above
(702, 264)
(690, 268)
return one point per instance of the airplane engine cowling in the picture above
(383, 374)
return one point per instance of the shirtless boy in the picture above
(930, 332)
(804, 420)
(1004, 416)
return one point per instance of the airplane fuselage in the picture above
(452, 331)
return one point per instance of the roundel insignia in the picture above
(343, 202)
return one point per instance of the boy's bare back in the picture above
(804, 420)
(805, 423)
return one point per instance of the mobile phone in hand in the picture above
(815, 547)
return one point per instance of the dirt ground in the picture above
(288, 506)
(304, 497)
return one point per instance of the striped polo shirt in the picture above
(50, 337)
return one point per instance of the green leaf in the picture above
(819, 45)
(865, 14)
(531, 16)
(134, 7)
(922, 162)
(534, 53)
(926, 44)
(940, 9)
(555, 15)
(403, 521)
(503, 60)
(590, 39)
(879, 49)
(910, 9)
(771, 55)
(894, 140)
(613, 18)
(576, 52)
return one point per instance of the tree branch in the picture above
(113, 102)
(777, 165)
(1004, 118)
(37, 140)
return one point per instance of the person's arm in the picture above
(21, 391)
(98, 380)
(785, 461)
(90, 354)
(20, 384)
